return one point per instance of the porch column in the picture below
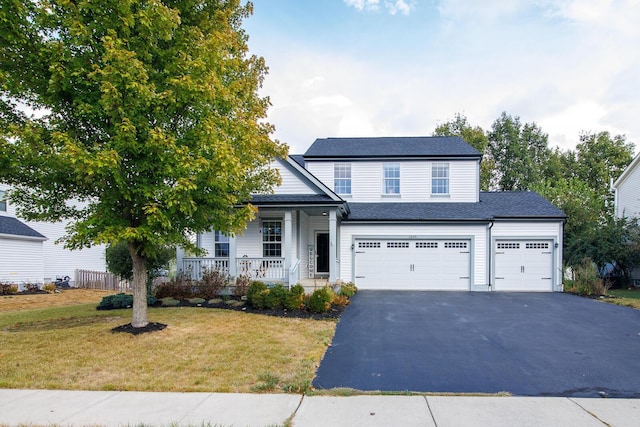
(232, 256)
(333, 246)
(179, 257)
(288, 235)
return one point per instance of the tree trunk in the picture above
(139, 319)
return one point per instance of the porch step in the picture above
(311, 285)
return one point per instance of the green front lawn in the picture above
(625, 297)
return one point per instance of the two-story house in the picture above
(627, 200)
(393, 213)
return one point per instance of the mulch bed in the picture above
(151, 327)
(333, 313)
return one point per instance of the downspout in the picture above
(490, 246)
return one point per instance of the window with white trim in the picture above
(271, 238)
(221, 245)
(391, 183)
(440, 178)
(3, 201)
(342, 178)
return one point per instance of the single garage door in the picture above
(429, 264)
(523, 265)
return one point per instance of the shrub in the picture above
(117, 301)
(242, 285)
(586, 280)
(212, 284)
(295, 298)
(276, 297)
(8, 289)
(348, 289)
(31, 287)
(254, 294)
(320, 300)
(49, 287)
(340, 300)
(179, 288)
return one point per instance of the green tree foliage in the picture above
(582, 206)
(520, 153)
(476, 137)
(119, 260)
(600, 159)
(150, 127)
(614, 243)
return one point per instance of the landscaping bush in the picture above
(49, 287)
(212, 284)
(320, 300)
(295, 298)
(254, 294)
(180, 288)
(340, 300)
(242, 285)
(8, 289)
(348, 289)
(121, 300)
(276, 297)
(586, 280)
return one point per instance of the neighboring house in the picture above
(30, 252)
(627, 199)
(393, 213)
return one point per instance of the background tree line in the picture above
(517, 157)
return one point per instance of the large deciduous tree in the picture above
(149, 126)
(520, 153)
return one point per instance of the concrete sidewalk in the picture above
(105, 408)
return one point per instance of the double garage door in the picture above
(430, 264)
(445, 264)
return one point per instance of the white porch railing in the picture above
(261, 268)
(194, 267)
(256, 268)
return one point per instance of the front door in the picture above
(322, 253)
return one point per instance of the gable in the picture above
(293, 180)
(627, 190)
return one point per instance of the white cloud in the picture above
(399, 6)
(394, 7)
(364, 4)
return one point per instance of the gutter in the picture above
(489, 249)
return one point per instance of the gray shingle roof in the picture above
(491, 206)
(14, 227)
(388, 147)
(298, 158)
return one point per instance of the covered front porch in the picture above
(288, 245)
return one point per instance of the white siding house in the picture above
(627, 199)
(393, 213)
(43, 260)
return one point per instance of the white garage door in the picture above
(413, 264)
(523, 265)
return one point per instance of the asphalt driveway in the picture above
(528, 344)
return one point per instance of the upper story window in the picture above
(271, 238)
(3, 201)
(440, 178)
(391, 183)
(342, 178)
(221, 245)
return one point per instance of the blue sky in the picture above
(401, 67)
